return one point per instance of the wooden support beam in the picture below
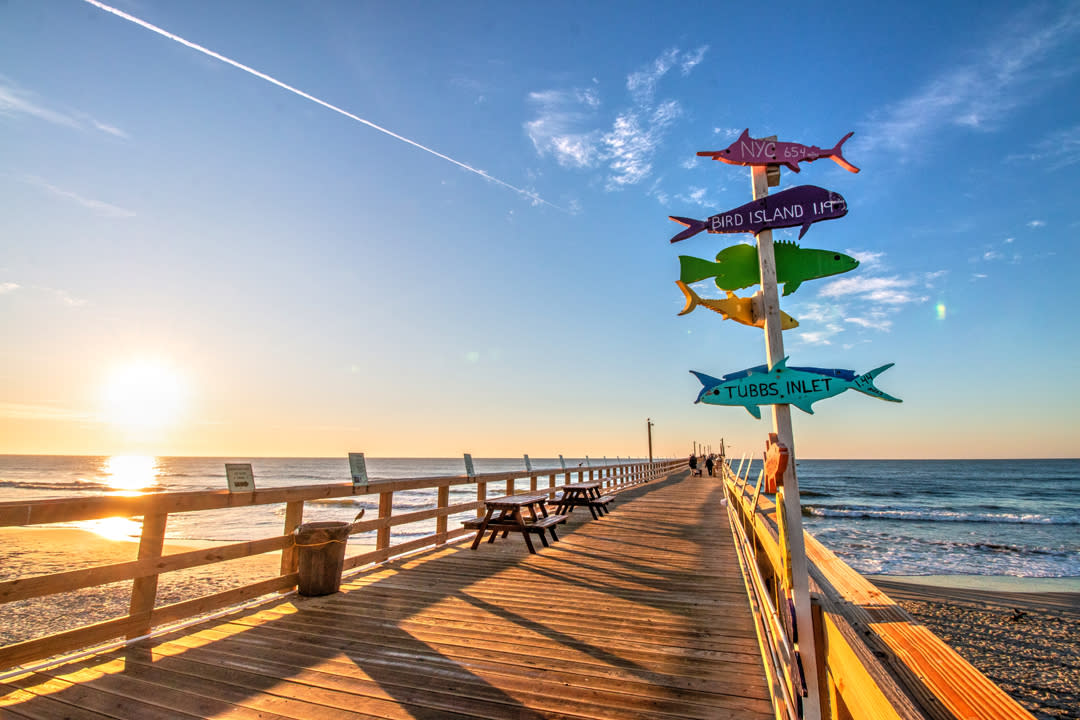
(781, 415)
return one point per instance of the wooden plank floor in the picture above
(640, 614)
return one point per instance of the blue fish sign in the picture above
(798, 386)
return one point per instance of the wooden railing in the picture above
(155, 509)
(875, 662)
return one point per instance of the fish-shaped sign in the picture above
(753, 151)
(802, 205)
(737, 267)
(741, 310)
(798, 386)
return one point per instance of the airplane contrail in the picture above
(218, 56)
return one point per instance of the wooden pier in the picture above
(640, 614)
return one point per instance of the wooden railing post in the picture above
(481, 498)
(510, 486)
(386, 509)
(440, 522)
(294, 516)
(532, 483)
(144, 589)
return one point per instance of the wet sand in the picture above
(1028, 643)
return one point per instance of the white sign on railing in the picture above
(240, 476)
(469, 466)
(528, 465)
(358, 468)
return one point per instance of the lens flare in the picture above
(940, 311)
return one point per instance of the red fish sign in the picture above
(752, 151)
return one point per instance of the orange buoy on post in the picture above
(776, 462)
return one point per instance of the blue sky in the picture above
(195, 260)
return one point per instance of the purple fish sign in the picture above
(803, 205)
(752, 151)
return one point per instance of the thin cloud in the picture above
(875, 321)
(536, 199)
(64, 297)
(15, 102)
(728, 133)
(821, 337)
(1024, 59)
(881, 289)
(103, 209)
(632, 143)
(568, 125)
(23, 411)
(868, 260)
(8, 287)
(694, 196)
(1037, 224)
(1057, 150)
(110, 129)
(554, 129)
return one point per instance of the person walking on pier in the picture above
(693, 464)
(709, 465)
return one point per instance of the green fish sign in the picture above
(737, 266)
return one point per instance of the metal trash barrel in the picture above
(321, 550)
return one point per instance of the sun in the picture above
(144, 395)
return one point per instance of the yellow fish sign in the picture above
(741, 310)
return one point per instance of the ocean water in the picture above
(24, 477)
(1012, 518)
(1015, 518)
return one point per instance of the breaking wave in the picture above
(928, 515)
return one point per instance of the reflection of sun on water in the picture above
(130, 472)
(114, 528)
(125, 475)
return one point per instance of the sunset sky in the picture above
(428, 228)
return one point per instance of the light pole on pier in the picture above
(648, 424)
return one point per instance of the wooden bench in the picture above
(510, 517)
(569, 501)
(538, 526)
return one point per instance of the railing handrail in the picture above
(37, 512)
(152, 562)
(880, 662)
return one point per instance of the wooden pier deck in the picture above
(640, 614)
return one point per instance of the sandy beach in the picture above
(26, 552)
(1026, 642)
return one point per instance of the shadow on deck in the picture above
(640, 614)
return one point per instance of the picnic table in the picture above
(585, 494)
(512, 518)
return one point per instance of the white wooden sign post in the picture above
(240, 477)
(774, 353)
(358, 470)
